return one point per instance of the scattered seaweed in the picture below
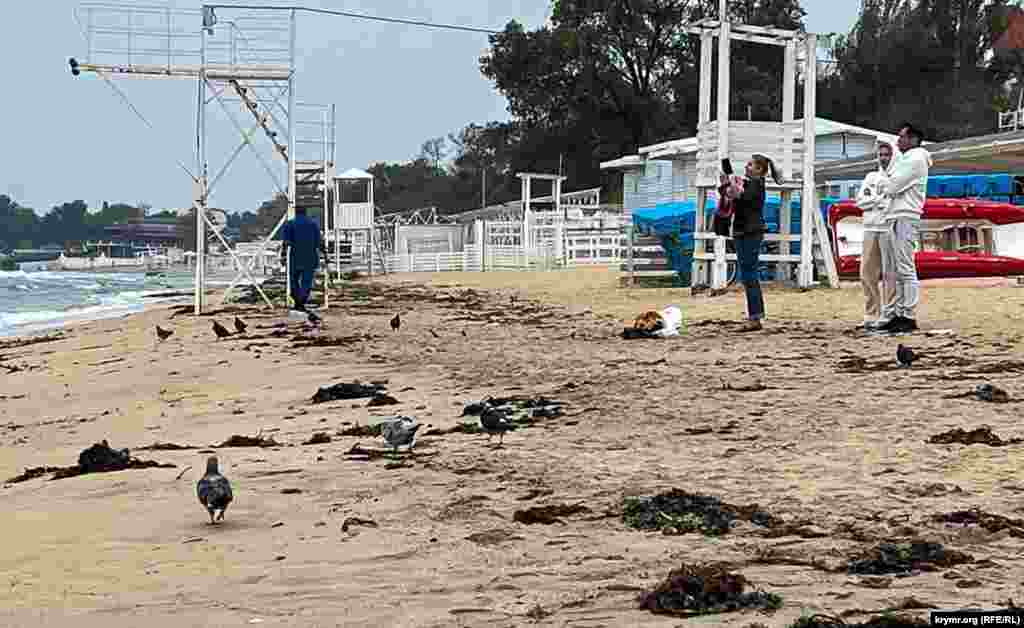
(98, 458)
(678, 511)
(548, 515)
(248, 441)
(346, 390)
(17, 343)
(167, 447)
(32, 473)
(705, 589)
(382, 399)
(319, 438)
(978, 436)
(301, 342)
(461, 428)
(362, 430)
(882, 621)
(896, 558)
(988, 521)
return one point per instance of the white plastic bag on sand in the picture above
(673, 317)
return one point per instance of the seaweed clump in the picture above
(895, 558)
(705, 589)
(677, 511)
(883, 621)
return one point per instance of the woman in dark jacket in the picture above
(748, 230)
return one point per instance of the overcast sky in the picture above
(394, 87)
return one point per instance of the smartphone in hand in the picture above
(727, 166)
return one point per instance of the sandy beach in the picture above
(809, 420)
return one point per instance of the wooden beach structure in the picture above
(789, 142)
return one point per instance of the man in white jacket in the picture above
(907, 185)
(873, 201)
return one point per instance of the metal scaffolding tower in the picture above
(247, 52)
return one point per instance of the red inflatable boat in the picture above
(943, 264)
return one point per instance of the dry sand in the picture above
(844, 451)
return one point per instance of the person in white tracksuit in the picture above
(873, 201)
(907, 185)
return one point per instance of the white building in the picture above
(666, 172)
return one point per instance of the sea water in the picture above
(34, 299)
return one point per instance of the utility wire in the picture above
(124, 98)
(360, 16)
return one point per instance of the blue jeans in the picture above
(302, 285)
(748, 250)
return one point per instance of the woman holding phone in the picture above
(748, 228)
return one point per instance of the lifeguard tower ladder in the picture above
(789, 143)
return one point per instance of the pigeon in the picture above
(396, 322)
(400, 432)
(493, 421)
(905, 356)
(220, 330)
(214, 490)
(163, 334)
(994, 394)
(240, 325)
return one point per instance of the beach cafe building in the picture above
(132, 238)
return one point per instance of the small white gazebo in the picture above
(354, 213)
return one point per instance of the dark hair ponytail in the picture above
(769, 166)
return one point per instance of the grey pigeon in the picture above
(988, 392)
(214, 490)
(493, 421)
(905, 356)
(400, 432)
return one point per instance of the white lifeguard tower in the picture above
(353, 219)
(788, 142)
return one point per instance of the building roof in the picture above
(994, 153)
(689, 145)
(354, 173)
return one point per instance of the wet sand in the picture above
(835, 446)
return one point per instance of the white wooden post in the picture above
(478, 236)
(719, 269)
(807, 195)
(698, 266)
(707, 41)
(782, 270)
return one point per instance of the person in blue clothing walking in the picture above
(301, 235)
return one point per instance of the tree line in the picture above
(604, 77)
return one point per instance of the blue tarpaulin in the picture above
(673, 224)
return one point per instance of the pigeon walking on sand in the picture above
(240, 325)
(221, 331)
(493, 421)
(163, 334)
(905, 356)
(400, 432)
(214, 490)
(396, 322)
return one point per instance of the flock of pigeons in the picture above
(221, 331)
(214, 490)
